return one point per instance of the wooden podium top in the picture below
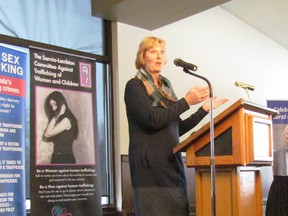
(220, 118)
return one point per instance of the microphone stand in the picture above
(212, 157)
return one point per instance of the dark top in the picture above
(64, 140)
(153, 132)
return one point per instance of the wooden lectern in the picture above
(242, 143)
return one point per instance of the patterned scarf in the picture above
(157, 95)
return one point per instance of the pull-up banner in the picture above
(280, 122)
(65, 178)
(13, 73)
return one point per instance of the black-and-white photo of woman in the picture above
(62, 128)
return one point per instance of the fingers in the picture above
(216, 103)
(200, 93)
(197, 94)
(219, 102)
(63, 109)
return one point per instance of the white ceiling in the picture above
(267, 16)
(150, 14)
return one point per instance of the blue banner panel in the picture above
(282, 107)
(280, 122)
(13, 73)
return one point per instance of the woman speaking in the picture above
(153, 112)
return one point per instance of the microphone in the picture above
(180, 63)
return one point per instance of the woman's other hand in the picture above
(216, 103)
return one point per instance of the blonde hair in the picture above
(146, 43)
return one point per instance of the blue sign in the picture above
(282, 107)
(12, 130)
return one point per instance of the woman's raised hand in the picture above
(62, 110)
(197, 94)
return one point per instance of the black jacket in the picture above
(153, 133)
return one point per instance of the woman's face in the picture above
(154, 59)
(53, 104)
